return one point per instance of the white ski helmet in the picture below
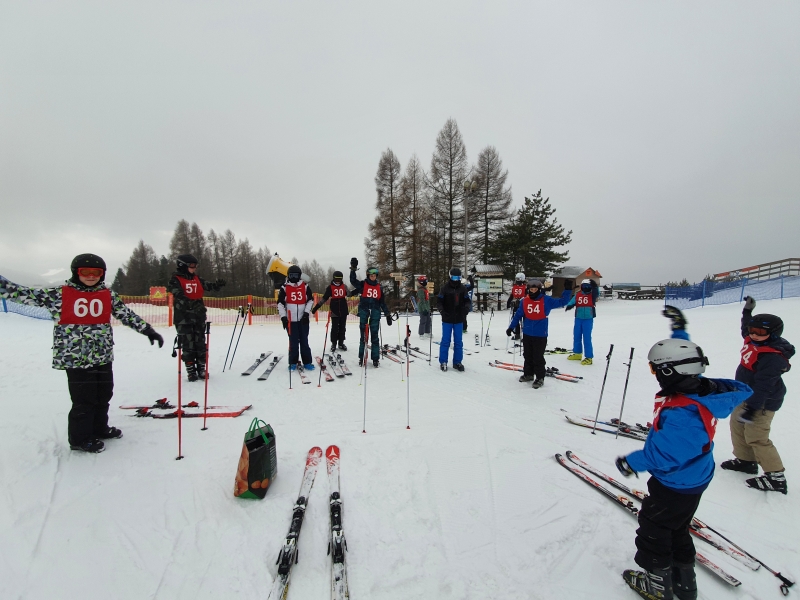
(519, 277)
(589, 281)
(677, 356)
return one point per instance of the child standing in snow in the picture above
(423, 306)
(584, 302)
(370, 306)
(83, 344)
(337, 292)
(294, 304)
(452, 301)
(765, 358)
(678, 455)
(534, 308)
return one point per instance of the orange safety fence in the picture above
(222, 311)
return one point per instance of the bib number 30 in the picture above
(84, 307)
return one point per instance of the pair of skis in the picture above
(467, 352)
(636, 433)
(337, 545)
(549, 372)
(273, 363)
(324, 369)
(257, 362)
(338, 365)
(697, 528)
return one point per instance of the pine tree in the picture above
(119, 282)
(529, 242)
(141, 270)
(489, 208)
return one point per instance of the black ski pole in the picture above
(324, 346)
(597, 415)
(233, 333)
(624, 391)
(481, 328)
(205, 394)
(408, 372)
(364, 359)
(241, 329)
(430, 341)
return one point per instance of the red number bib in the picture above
(371, 291)
(678, 401)
(517, 292)
(85, 308)
(338, 291)
(533, 309)
(750, 353)
(192, 288)
(582, 299)
(296, 295)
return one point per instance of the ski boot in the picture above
(309, 367)
(342, 347)
(684, 583)
(538, 383)
(774, 481)
(201, 370)
(191, 372)
(376, 363)
(443, 366)
(293, 367)
(111, 433)
(744, 466)
(526, 378)
(92, 446)
(333, 348)
(574, 356)
(458, 367)
(653, 585)
(586, 361)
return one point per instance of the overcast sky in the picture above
(666, 134)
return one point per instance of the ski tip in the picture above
(332, 452)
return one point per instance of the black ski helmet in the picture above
(338, 275)
(455, 272)
(87, 260)
(294, 273)
(184, 260)
(771, 323)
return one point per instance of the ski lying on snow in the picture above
(625, 428)
(628, 505)
(520, 369)
(342, 365)
(212, 412)
(302, 372)
(695, 529)
(288, 554)
(337, 370)
(258, 361)
(271, 367)
(634, 435)
(325, 372)
(337, 545)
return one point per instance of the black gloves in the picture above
(509, 332)
(748, 416)
(304, 318)
(315, 308)
(220, 283)
(153, 336)
(676, 316)
(570, 307)
(388, 319)
(569, 284)
(593, 283)
(749, 303)
(285, 322)
(624, 468)
(353, 264)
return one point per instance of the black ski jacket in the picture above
(185, 310)
(338, 305)
(453, 302)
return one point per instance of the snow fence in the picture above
(711, 292)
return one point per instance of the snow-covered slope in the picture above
(468, 503)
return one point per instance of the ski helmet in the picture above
(519, 276)
(535, 283)
(87, 260)
(184, 260)
(372, 271)
(586, 285)
(769, 324)
(294, 273)
(337, 275)
(677, 356)
(455, 274)
(423, 281)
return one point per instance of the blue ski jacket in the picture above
(538, 328)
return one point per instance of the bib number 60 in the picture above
(84, 307)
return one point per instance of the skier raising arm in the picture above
(370, 306)
(585, 299)
(678, 455)
(83, 343)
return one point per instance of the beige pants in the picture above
(751, 440)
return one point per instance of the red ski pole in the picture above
(364, 358)
(176, 351)
(319, 383)
(205, 400)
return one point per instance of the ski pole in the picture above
(176, 351)
(481, 328)
(787, 583)
(289, 329)
(233, 333)
(408, 373)
(364, 359)
(608, 362)
(205, 398)
(397, 319)
(624, 391)
(241, 329)
(319, 383)
(430, 341)
(491, 314)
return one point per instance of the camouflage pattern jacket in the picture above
(75, 346)
(185, 309)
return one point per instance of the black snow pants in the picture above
(338, 325)
(663, 536)
(193, 342)
(91, 390)
(533, 349)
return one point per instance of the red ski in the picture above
(213, 412)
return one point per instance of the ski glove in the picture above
(570, 307)
(285, 322)
(153, 336)
(749, 303)
(315, 308)
(220, 283)
(569, 284)
(748, 416)
(353, 264)
(676, 316)
(624, 468)
(388, 319)
(509, 332)
(304, 318)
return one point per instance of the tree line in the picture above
(420, 225)
(220, 256)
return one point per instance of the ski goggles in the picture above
(455, 277)
(372, 272)
(757, 331)
(90, 271)
(191, 265)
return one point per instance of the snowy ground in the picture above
(468, 503)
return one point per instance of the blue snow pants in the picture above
(456, 329)
(374, 316)
(582, 332)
